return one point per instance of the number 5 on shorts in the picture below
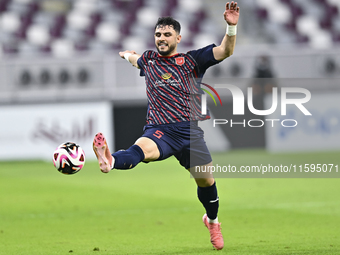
(158, 134)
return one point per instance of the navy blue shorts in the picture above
(184, 140)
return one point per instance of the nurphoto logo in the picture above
(239, 105)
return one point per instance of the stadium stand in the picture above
(62, 27)
(30, 27)
(313, 22)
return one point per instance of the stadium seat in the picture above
(38, 35)
(77, 20)
(10, 22)
(134, 43)
(3, 5)
(170, 5)
(107, 33)
(279, 13)
(334, 3)
(57, 26)
(147, 16)
(307, 25)
(190, 6)
(85, 6)
(62, 48)
(321, 40)
(326, 23)
(202, 39)
(262, 13)
(95, 19)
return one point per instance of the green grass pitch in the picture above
(153, 209)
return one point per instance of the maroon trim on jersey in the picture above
(160, 56)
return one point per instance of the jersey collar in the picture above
(160, 56)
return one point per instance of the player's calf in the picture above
(127, 159)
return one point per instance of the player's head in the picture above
(167, 35)
(169, 21)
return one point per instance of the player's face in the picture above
(166, 40)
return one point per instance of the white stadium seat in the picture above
(62, 48)
(78, 20)
(107, 32)
(9, 22)
(307, 25)
(321, 40)
(85, 6)
(279, 13)
(134, 43)
(38, 34)
(190, 6)
(148, 16)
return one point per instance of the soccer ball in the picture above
(69, 158)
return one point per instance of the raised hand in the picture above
(231, 13)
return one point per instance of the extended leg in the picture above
(143, 149)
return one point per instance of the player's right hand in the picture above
(121, 53)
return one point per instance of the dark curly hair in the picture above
(169, 21)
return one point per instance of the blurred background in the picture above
(61, 77)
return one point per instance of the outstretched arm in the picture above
(131, 56)
(226, 48)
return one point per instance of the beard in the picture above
(171, 48)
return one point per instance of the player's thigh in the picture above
(149, 147)
(203, 177)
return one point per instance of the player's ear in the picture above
(178, 38)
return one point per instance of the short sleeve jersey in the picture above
(173, 84)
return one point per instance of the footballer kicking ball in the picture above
(69, 158)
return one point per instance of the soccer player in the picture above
(172, 85)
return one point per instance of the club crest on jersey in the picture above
(166, 76)
(180, 61)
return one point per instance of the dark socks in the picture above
(209, 198)
(127, 159)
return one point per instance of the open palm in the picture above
(231, 13)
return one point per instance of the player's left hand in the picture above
(231, 13)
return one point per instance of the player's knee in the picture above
(149, 148)
(204, 182)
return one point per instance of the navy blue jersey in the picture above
(173, 84)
